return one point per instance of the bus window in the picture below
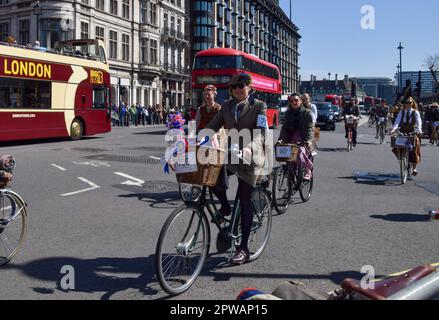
(99, 98)
(219, 62)
(25, 94)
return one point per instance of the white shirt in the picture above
(314, 113)
(406, 114)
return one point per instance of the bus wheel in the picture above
(76, 130)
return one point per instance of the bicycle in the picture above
(13, 224)
(381, 121)
(350, 122)
(288, 179)
(404, 143)
(183, 247)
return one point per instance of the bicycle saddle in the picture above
(386, 288)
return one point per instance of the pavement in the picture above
(98, 205)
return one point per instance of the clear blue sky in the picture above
(334, 41)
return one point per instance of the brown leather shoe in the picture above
(240, 257)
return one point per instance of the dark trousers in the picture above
(245, 192)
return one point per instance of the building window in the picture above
(113, 7)
(100, 33)
(4, 31)
(125, 47)
(153, 14)
(23, 26)
(113, 44)
(220, 38)
(144, 50)
(100, 5)
(153, 52)
(126, 9)
(84, 30)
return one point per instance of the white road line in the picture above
(93, 186)
(58, 167)
(133, 181)
(155, 158)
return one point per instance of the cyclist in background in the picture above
(408, 121)
(204, 115)
(298, 128)
(431, 116)
(351, 109)
(381, 111)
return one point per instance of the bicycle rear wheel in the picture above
(182, 249)
(282, 192)
(13, 224)
(261, 226)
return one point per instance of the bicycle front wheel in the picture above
(282, 192)
(403, 165)
(261, 225)
(13, 224)
(182, 249)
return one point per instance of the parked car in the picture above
(325, 117)
(337, 113)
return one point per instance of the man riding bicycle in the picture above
(298, 128)
(351, 110)
(408, 121)
(244, 113)
(381, 111)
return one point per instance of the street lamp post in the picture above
(400, 68)
(38, 11)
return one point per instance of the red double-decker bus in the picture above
(54, 94)
(217, 66)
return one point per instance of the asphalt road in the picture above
(108, 232)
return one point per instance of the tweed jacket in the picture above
(252, 117)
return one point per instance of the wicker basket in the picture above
(316, 134)
(286, 152)
(208, 167)
(401, 144)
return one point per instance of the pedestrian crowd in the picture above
(136, 115)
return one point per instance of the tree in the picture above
(432, 63)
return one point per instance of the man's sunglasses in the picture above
(240, 86)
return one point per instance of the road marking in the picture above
(58, 167)
(133, 181)
(93, 163)
(93, 186)
(155, 158)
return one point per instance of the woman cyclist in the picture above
(244, 113)
(298, 128)
(408, 121)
